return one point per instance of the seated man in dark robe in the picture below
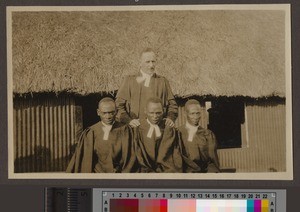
(105, 147)
(197, 145)
(156, 142)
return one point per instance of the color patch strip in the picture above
(205, 205)
(257, 205)
(153, 205)
(124, 205)
(265, 205)
(250, 205)
(188, 205)
(180, 205)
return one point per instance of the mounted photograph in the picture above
(197, 92)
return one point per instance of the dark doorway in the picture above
(89, 105)
(225, 119)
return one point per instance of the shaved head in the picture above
(107, 110)
(106, 100)
(191, 102)
(193, 112)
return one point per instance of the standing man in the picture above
(135, 90)
(156, 143)
(198, 145)
(105, 147)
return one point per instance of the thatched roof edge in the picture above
(218, 53)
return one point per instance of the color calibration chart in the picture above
(188, 201)
(163, 200)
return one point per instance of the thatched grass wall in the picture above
(219, 53)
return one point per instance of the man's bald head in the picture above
(193, 112)
(106, 100)
(107, 110)
(191, 102)
(154, 110)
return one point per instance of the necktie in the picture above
(191, 131)
(153, 128)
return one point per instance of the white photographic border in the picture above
(288, 175)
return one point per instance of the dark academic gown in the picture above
(93, 154)
(199, 155)
(157, 154)
(132, 97)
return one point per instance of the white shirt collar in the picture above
(189, 126)
(146, 74)
(107, 125)
(191, 130)
(106, 129)
(153, 128)
(146, 78)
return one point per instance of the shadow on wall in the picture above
(43, 160)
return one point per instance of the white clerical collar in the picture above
(107, 125)
(145, 78)
(153, 127)
(106, 129)
(189, 126)
(191, 130)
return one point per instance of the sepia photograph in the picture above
(150, 92)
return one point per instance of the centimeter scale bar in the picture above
(163, 200)
(68, 200)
